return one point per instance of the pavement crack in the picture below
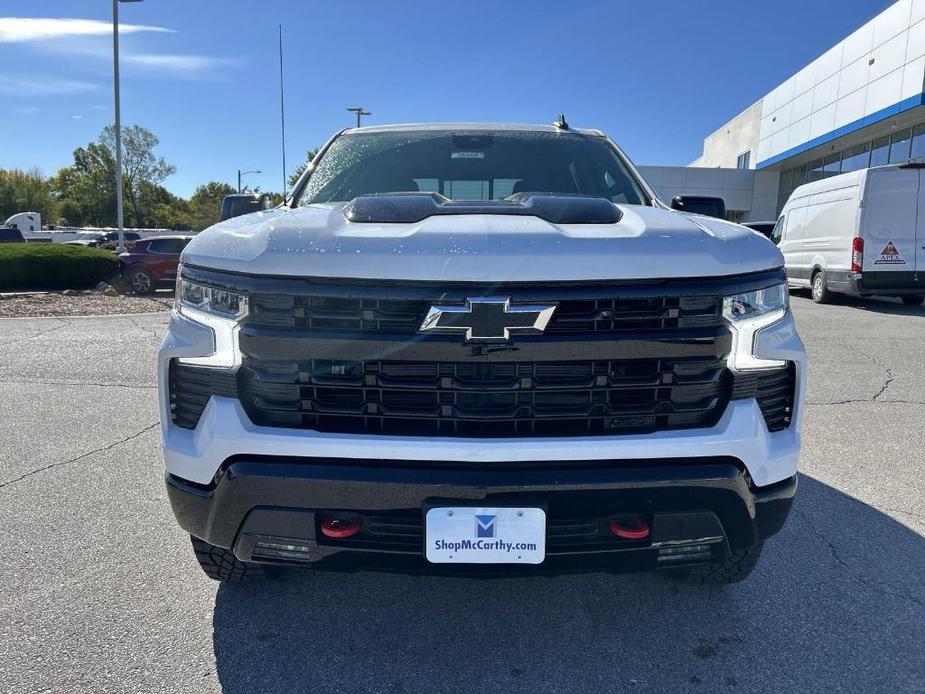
(835, 552)
(61, 463)
(78, 384)
(886, 384)
(63, 324)
(145, 328)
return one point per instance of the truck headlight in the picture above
(201, 297)
(749, 312)
(219, 309)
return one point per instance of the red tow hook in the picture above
(340, 528)
(633, 529)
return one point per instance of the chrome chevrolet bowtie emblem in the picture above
(488, 318)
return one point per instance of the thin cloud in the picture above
(176, 62)
(11, 85)
(26, 29)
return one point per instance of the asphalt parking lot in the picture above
(100, 591)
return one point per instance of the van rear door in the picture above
(889, 218)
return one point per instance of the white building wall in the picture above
(753, 193)
(874, 73)
(723, 147)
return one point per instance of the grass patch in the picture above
(27, 266)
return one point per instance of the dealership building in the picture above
(860, 104)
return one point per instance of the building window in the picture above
(880, 152)
(832, 165)
(855, 158)
(744, 160)
(918, 143)
(899, 146)
(814, 171)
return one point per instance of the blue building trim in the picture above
(892, 110)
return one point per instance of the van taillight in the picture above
(857, 254)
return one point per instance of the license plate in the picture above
(472, 535)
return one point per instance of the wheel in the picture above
(913, 300)
(221, 564)
(733, 569)
(821, 293)
(141, 280)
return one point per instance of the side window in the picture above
(778, 231)
(167, 246)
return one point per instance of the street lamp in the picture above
(360, 112)
(244, 173)
(115, 79)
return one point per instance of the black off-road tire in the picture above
(819, 289)
(735, 568)
(221, 564)
(913, 300)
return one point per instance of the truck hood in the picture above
(318, 241)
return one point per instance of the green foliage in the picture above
(206, 204)
(26, 266)
(25, 191)
(309, 157)
(84, 194)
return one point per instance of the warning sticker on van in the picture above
(890, 256)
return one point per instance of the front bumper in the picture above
(268, 509)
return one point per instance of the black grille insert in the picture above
(486, 399)
(319, 313)
(190, 387)
(774, 390)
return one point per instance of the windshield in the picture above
(471, 165)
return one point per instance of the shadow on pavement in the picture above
(835, 604)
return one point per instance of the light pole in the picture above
(244, 173)
(360, 112)
(115, 79)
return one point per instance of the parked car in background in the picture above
(102, 239)
(858, 233)
(152, 262)
(10, 235)
(763, 228)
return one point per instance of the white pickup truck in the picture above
(480, 348)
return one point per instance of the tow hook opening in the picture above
(629, 527)
(339, 527)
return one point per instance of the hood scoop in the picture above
(408, 208)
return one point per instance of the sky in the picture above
(203, 75)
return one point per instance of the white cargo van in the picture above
(859, 233)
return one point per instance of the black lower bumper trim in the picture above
(268, 509)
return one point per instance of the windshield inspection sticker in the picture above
(890, 256)
(467, 155)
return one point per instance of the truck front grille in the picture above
(404, 316)
(486, 399)
(344, 357)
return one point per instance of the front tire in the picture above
(913, 300)
(821, 293)
(736, 567)
(221, 564)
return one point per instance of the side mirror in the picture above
(244, 203)
(709, 205)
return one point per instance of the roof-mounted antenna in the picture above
(560, 122)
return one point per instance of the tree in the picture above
(26, 191)
(206, 204)
(141, 168)
(309, 157)
(89, 185)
